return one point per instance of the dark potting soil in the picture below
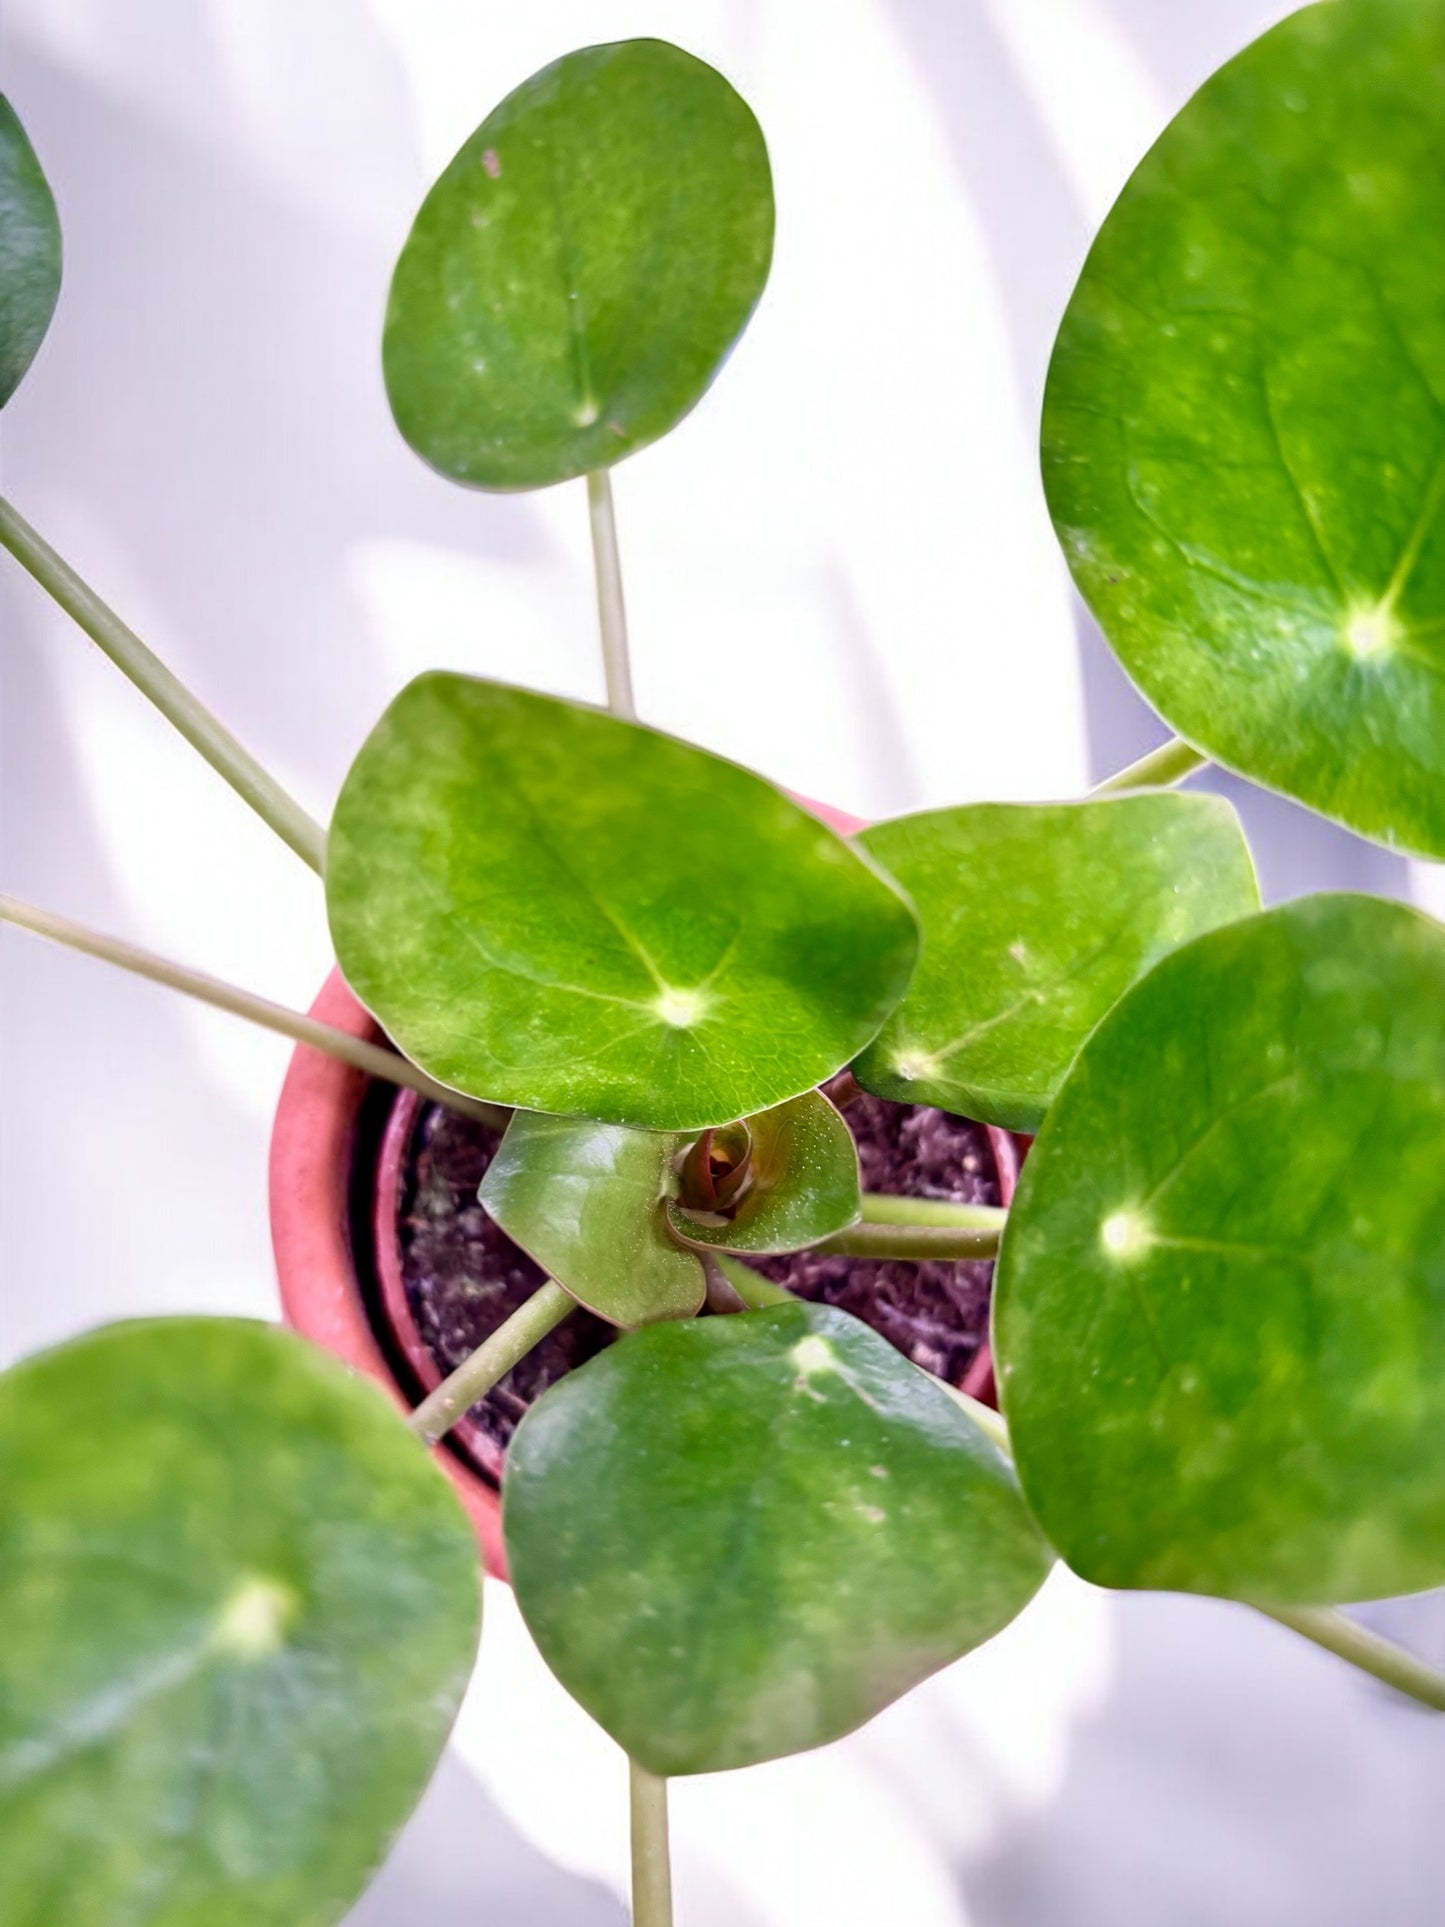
(936, 1314)
(464, 1276)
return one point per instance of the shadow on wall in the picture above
(1182, 46)
(233, 479)
(1018, 183)
(460, 1861)
(1350, 1776)
(238, 519)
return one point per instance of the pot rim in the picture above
(468, 1438)
(310, 1179)
(313, 1145)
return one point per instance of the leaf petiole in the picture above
(651, 1858)
(757, 1292)
(528, 1325)
(278, 810)
(723, 1295)
(611, 608)
(375, 1059)
(1357, 1645)
(916, 1243)
(1159, 770)
(882, 1207)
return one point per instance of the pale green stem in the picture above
(171, 697)
(651, 1860)
(723, 1297)
(1159, 770)
(375, 1060)
(988, 1421)
(881, 1207)
(528, 1325)
(611, 609)
(915, 1242)
(1348, 1640)
(757, 1292)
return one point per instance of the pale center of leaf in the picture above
(913, 1064)
(1125, 1234)
(680, 1009)
(255, 1619)
(813, 1356)
(1371, 632)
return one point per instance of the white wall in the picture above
(852, 522)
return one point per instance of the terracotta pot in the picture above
(336, 1167)
(314, 1222)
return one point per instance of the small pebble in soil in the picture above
(464, 1276)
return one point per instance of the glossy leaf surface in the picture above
(1245, 419)
(29, 253)
(1220, 1308)
(803, 1183)
(591, 1203)
(564, 912)
(579, 273)
(739, 1537)
(1035, 920)
(588, 1201)
(240, 1609)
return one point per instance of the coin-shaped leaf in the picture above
(588, 1201)
(592, 1203)
(239, 1609)
(568, 913)
(736, 1538)
(29, 253)
(1035, 920)
(802, 1183)
(1244, 435)
(579, 273)
(1220, 1310)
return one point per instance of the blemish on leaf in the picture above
(491, 160)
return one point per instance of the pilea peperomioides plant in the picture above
(240, 1602)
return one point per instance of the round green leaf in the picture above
(29, 253)
(1245, 419)
(1035, 920)
(588, 1201)
(803, 1183)
(592, 1203)
(579, 273)
(739, 1537)
(239, 1609)
(1220, 1308)
(568, 913)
